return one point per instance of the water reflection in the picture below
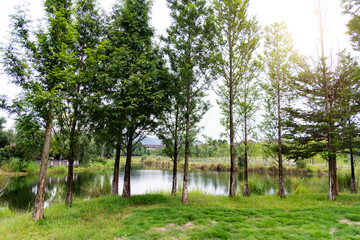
(20, 192)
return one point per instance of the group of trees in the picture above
(88, 75)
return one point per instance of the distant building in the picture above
(153, 146)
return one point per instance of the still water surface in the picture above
(19, 193)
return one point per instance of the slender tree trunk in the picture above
(331, 193)
(246, 181)
(231, 102)
(353, 182)
(126, 189)
(174, 181)
(185, 198)
(72, 145)
(115, 181)
(40, 193)
(281, 192)
(336, 185)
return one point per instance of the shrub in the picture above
(15, 165)
(7, 152)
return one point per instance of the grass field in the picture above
(161, 216)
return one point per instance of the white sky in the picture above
(299, 15)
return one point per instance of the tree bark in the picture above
(126, 189)
(115, 181)
(40, 193)
(184, 198)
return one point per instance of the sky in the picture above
(299, 15)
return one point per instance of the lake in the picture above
(19, 192)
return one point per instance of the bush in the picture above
(144, 157)
(7, 152)
(15, 165)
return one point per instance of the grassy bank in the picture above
(261, 169)
(157, 216)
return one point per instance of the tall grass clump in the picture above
(255, 186)
(99, 187)
(344, 181)
(32, 167)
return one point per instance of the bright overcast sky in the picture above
(299, 15)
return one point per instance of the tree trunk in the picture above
(231, 101)
(174, 181)
(184, 198)
(336, 185)
(115, 181)
(281, 192)
(353, 182)
(72, 145)
(126, 189)
(246, 182)
(331, 193)
(40, 193)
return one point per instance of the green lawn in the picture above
(160, 216)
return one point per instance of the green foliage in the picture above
(256, 187)
(3, 135)
(29, 138)
(15, 165)
(7, 152)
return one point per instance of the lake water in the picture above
(19, 193)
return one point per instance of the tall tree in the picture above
(279, 58)
(238, 38)
(346, 73)
(73, 120)
(40, 64)
(171, 129)
(135, 81)
(189, 43)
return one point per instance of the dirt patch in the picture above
(213, 222)
(332, 230)
(162, 229)
(126, 215)
(171, 225)
(349, 222)
(188, 225)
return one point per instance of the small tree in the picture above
(189, 50)
(279, 58)
(238, 38)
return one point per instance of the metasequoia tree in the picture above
(238, 38)
(279, 58)
(73, 121)
(189, 51)
(40, 63)
(171, 129)
(134, 82)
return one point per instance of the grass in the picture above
(161, 216)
